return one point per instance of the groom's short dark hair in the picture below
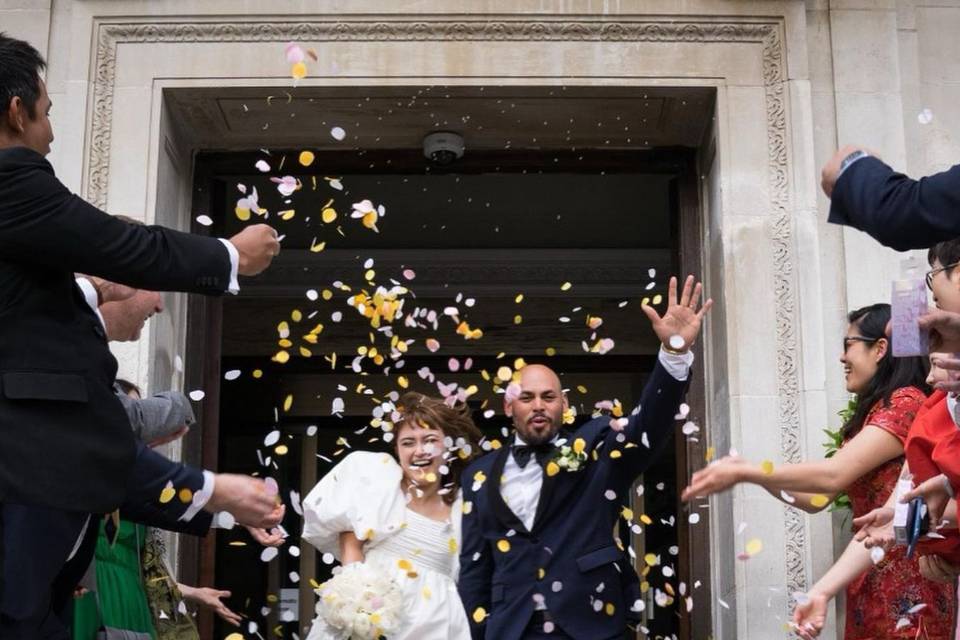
(20, 67)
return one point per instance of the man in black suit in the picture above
(65, 440)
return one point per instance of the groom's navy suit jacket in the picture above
(571, 544)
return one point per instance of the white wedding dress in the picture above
(362, 494)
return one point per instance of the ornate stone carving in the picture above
(766, 33)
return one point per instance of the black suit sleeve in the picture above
(476, 575)
(151, 473)
(897, 211)
(49, 226)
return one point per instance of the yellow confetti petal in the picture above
(651, 559)
(503, 545)
(452, 545)
(243, 214)
(540, 573)
(288, 402)
(610, 609)
(616, 453)
(296, 315)
(281, 450)
(326, 294)
(426, 595)
(766, 467)
(517, 319)
(565, 286)
(282, 357)
(306, 353)
(306, 158)
(234, 636)
(711, 452)
(405, 565)
(317, 248)
(257, 373)
(467, 507)
(479, 615)
(328, 215)
(657, 299)
(185, 495)
(167, 494)
(287, 214)
(819, 500)
(645, 519)
(552, 468)
(298, 71)
(504, 373)
(550, 351)
(754, 546)
(519, 298)
(627, 513)
(579, 445)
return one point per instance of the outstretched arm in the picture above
(867, 450)
(897, 211)
(810, 615)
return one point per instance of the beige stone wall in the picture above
(792, 80)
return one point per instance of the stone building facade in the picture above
(792, 80)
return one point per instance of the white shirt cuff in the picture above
(90, 295)
(677, 365)
(234, 287)
(202, 497)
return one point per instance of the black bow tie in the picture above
(522, 453)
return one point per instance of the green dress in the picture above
(123, 600)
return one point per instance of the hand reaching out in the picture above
(936, 493)
(875, 529)
(717, 477)
(267, 538)
(810, 616)
(211, 598)
(682, 317)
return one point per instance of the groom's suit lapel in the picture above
(503, 512)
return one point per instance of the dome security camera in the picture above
(443, 147)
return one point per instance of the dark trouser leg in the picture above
(36, 544)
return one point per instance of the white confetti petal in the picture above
(268, 554)
(272, 438)
(338, 133)
(262, 166)
(328, 558)
(925, 116)
(205, 220)
(694, 518)
(233, 374)
(197, 395)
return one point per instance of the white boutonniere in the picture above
(568, 457)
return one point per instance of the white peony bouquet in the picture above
(361, 603)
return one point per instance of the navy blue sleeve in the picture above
(897, 211)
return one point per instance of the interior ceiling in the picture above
(489, 118)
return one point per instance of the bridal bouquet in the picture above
(361, 603)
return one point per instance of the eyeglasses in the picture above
(849, 340)
(933, 272)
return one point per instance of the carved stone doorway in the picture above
(555, 203)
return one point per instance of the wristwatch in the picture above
(850, 159)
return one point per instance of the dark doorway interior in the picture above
(499, 224)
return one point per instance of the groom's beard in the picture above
(534, 435)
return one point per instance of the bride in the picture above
(401, 515)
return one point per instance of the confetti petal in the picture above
(338, 133)
(197, 395)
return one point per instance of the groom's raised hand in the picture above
(682, 319)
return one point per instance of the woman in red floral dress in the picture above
(892, 600)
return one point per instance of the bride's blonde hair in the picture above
(422, 411)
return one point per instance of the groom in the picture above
(538, 558)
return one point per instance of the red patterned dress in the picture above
(881, 598)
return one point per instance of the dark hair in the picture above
(20, 67)
(892, 373)
(454, 422)
(946, 252)
(127, 387)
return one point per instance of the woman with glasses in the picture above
(885, 602)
